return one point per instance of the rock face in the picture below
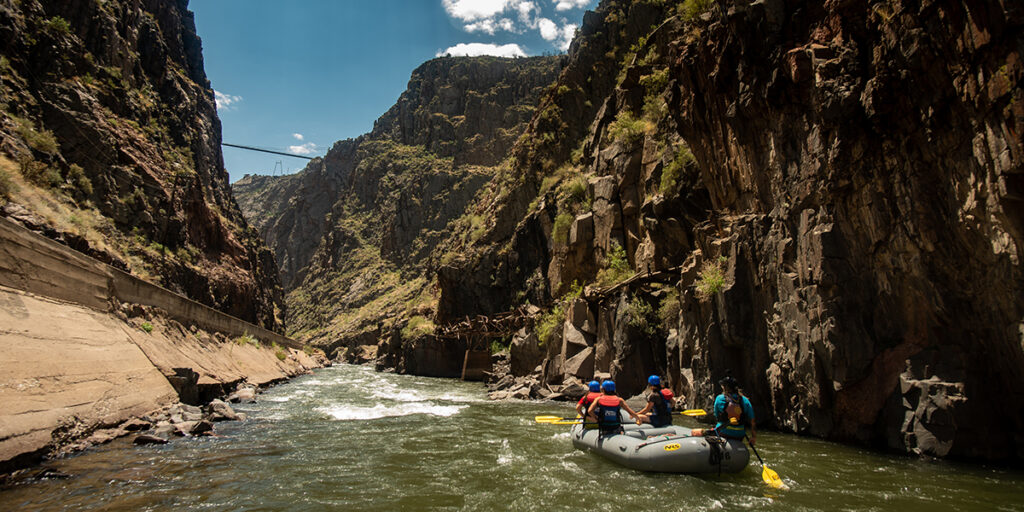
(110, 142)
(823, 200)
(356, 232)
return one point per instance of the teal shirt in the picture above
(735, 431)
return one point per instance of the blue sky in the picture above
(299, 75)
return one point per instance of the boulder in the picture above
(135, 425)
(244, 396)
(581, 365)
(219, 410)
(525, 353)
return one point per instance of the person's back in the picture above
(661, 401)
(733, 411)
(593, 394)
(607, 409)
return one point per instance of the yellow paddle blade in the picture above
(547, 419)
(693, 412)
(566, 422)
(771, 478)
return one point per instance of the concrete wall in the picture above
(71, 361)
(36, 264)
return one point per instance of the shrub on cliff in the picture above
(672, 172)
(627, 128)
(668, 310)
(418, 326)
(616, 266)
(690, 9)
(560, 231)
(551, 322)
(640, 315)
(711, 278)
(7, 187)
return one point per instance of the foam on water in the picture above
(351, 412)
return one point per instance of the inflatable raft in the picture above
(666, 450)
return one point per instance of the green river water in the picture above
(347, 438)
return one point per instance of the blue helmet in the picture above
(654, 380)
(608, 386)
(594, 386)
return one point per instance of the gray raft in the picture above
(667, 449)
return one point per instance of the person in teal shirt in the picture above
(734, 414)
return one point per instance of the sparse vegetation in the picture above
(39, 140)
(627, 128)
(690, 9)
(639, 315)
(58, 25)
(418, 326)
(498, 346)
(616, 266)
(79, 181)
(247, 339)
(146, 326)
(279, 352)
(551, 322)
(711, 278)
(39, 173)
(7, 186)
(560, 231)
(670, 307)
(673, 172)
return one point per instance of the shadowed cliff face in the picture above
(356, 232)
(111, 143)
(823, 200)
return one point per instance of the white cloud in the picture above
(298, 136)
(548, 30)
(225, 101)
(568, 33)
(485, 26)
(477, 49)
(565, 5)
(528, 13)
(305, 149)
(473, 10)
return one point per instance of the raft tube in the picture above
(665, 450)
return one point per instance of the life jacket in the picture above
(608, 413)
(589, 399)
(662, 412)
(733, 422)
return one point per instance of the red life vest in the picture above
(588, 399)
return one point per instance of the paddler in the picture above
(660, 402)
(584, 404)
(734, 413)
(605, 411)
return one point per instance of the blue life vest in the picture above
(608, 413)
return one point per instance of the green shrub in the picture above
(497, 346)
(39, 173)
(550, 324)
(58, 25)
(40, 140)
(78, 180)
(639, 315)
(711, 278)
(477, 227)
(627, 128)
(279, 352)
(671, 174)
(656, 82)
(247, 339)
(616, 266)
(7, 187)
(560, 231)
(148, 327)
(576, 190)
(670, 307)
(690, 9)
(418, 326)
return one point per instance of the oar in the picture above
(548, 419)
(693, 412)
(769, 476)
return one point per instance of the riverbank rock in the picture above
(245, 395)
(218, 410)
(144, 439)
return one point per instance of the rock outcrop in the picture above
(822, 200)
(110, 142)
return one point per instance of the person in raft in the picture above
(584, 404)
(734, 414)
(658, 411)
(606, 409)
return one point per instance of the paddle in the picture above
(557, 420)
(769, 476)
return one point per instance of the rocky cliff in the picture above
(823, 200)
(356, 231)
(110, 142)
